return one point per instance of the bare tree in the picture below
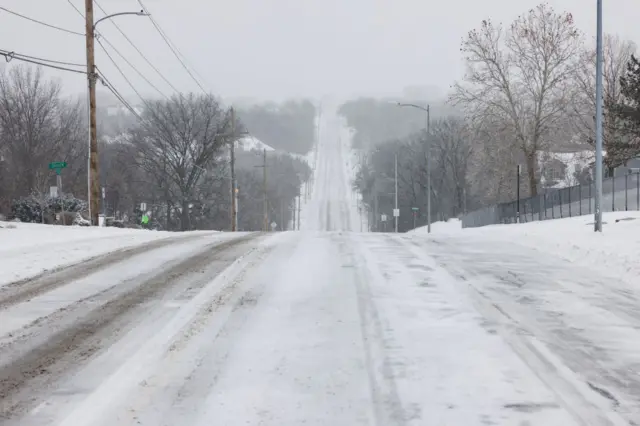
(37, 126)
(179, 139)
(522, 76)
(452, 143)
(617, 54)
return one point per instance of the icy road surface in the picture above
(327, 326)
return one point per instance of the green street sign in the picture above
(57, 165)
(415, 209)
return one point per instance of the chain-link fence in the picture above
(620, 193)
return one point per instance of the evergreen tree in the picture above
(624, 119)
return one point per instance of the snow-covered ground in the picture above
(28, 249)
(328, 326)
(613, 252)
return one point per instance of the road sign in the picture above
(143, 207)
(415, 209)
(396, 212)
(103, 193)
(383, 218)
(53, 191)
(57, 165)
(274, 225)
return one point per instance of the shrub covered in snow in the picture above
(35, 209)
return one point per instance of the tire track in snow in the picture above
(19, 291)
(70, 346)
(387, 406)
(575, 396)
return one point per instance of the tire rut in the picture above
(72, 345)
(19, 291)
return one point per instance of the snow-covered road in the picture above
(327, 326)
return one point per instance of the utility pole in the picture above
(428, 169)
(395, 212)
(234, 190)
(294, 214)
(264, 183)
(94, 183)
(428, 154)
(599, 66)
(299, 201)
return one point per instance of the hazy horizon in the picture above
(254, 50)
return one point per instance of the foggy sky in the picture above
(274, 49)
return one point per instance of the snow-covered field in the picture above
(503, 325)
(28, 249)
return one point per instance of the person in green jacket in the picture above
(145, 221)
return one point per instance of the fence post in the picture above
(544, 204)
(590, 196)
(569, 191)
(613, 194)
(580, 198)
(540, 198)
(518, 196)
(561, 203)
(626, 191)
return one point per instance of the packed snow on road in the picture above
(326, 326)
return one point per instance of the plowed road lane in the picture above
(296, 328)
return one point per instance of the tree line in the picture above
(528, 92)
(173, 160)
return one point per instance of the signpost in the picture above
(415, 215)
(58, 166)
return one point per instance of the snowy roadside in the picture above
(613, 252)
(27, 249)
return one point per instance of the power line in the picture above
(40, 22)
(15, 55)
(11, 55)
(100, 36)
(138, 50)
(115, 64)
(130, 64)
(175, 51)
(117, 94)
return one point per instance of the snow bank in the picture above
(28, 249)
(448, 227)
(614, 252)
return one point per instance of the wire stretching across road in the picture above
(8, 55)
(137, 50)
(40, 22)
(174, 49)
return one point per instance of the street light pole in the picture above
(93, 175)
(599, 61)
(395, 213)
(426, 109)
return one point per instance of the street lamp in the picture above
(428, 148)
(93, 177)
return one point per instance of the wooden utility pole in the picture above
(234, 190)
(264, 182)
(94, 177)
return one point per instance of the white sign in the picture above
(273, 225)
(396, 212)
(103, 193)
(53, 191)
(383, 217)
(143, 206)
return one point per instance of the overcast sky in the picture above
(273, 49)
